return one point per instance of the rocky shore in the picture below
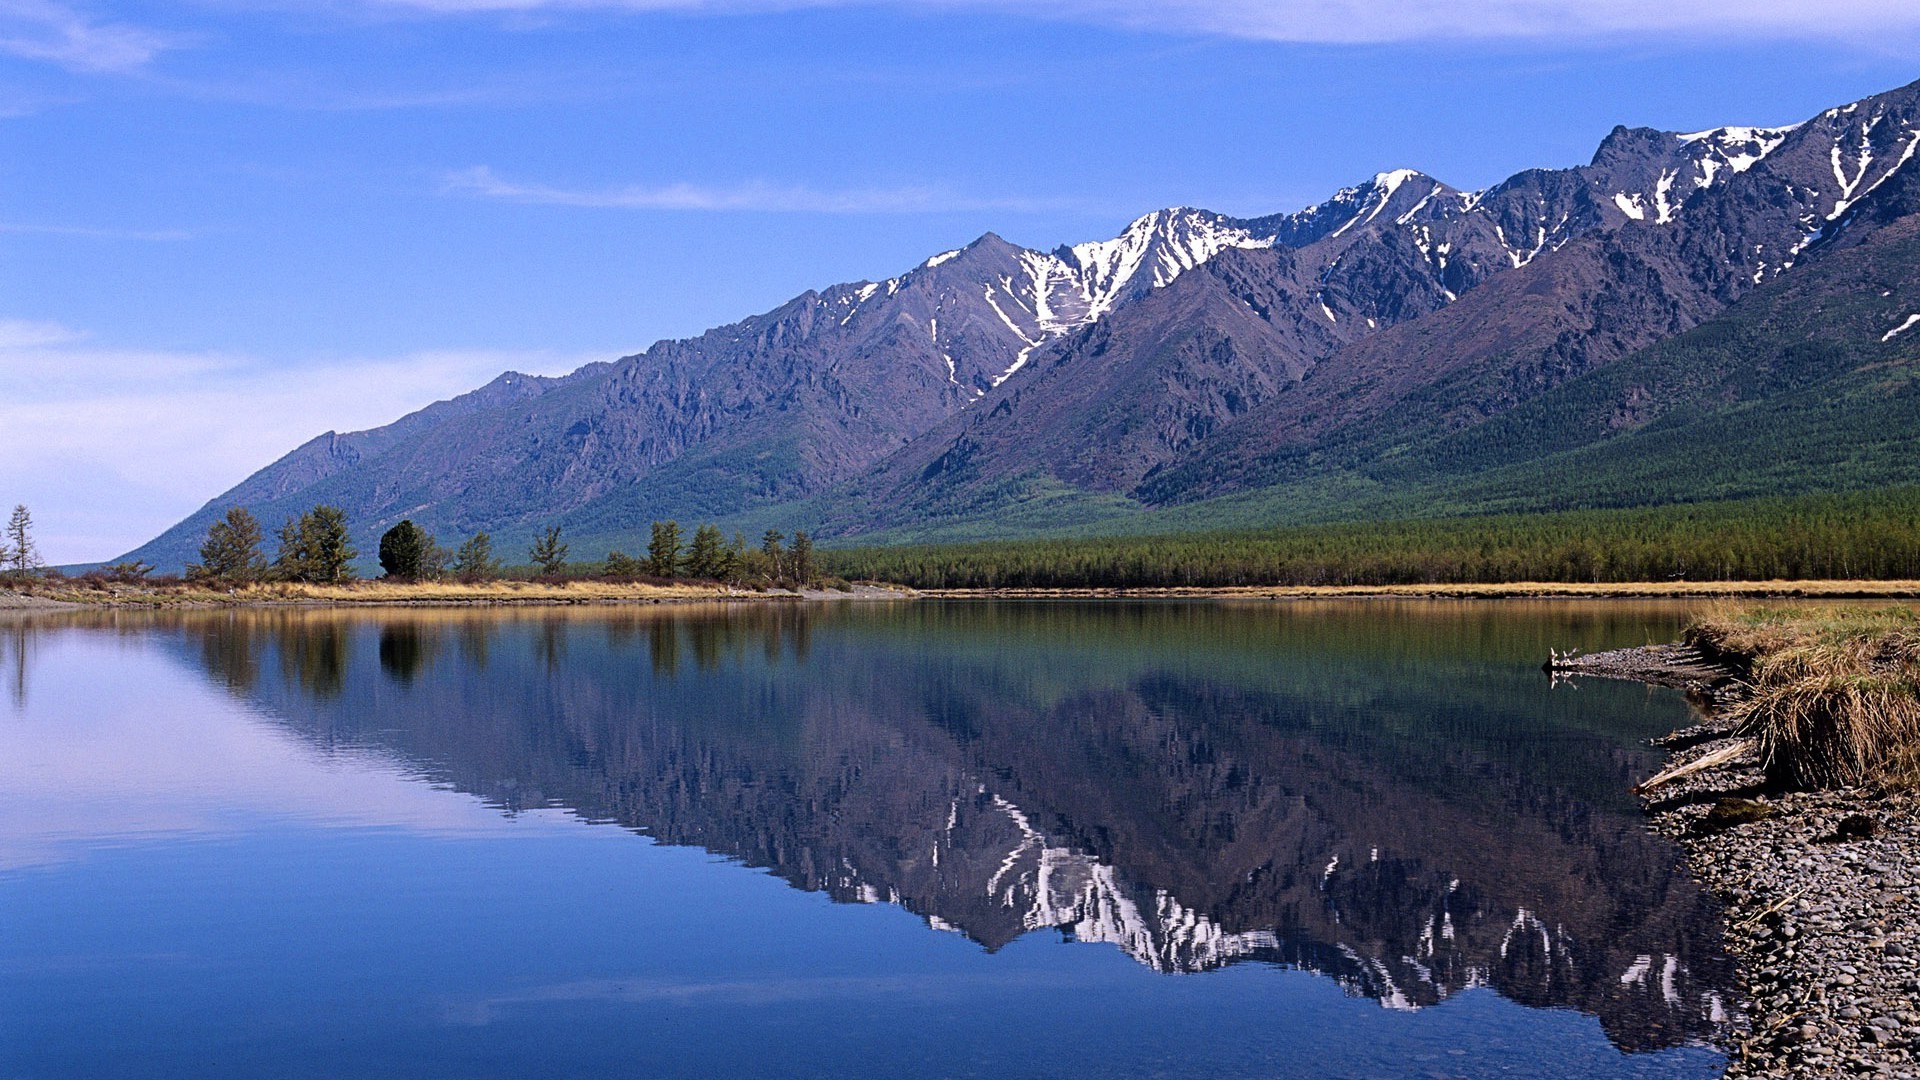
(1822, 888)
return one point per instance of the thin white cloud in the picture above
(27, 334)
(759, 197)
(62, 35)
(110, 446)
(159, 236)
(1337, 21)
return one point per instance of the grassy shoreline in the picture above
(1812, 590)
(74, 593)
(67, 595)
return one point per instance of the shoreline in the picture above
(1652, 590)
(374, 594)
(1819, 887)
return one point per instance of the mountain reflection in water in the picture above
(1386, 794)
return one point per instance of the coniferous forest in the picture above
(1870, 535)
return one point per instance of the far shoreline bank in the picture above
(379, 594)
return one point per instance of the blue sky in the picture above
(228, 226)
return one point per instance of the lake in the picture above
(1007, 839)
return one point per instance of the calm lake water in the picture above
(917, 839)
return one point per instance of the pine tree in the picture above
(433, 559)
(737, 559)
(663, 553)
(290, 562)
(20, 552)
(331, 545)
(403, 551)
(474, 560)
(770, 547)
(803, 558)
(548, 553)
(231, 553)
(316, 547)
(707, 555)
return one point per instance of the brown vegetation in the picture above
(1835, 698)
(165, 593)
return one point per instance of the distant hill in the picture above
(1689, 316)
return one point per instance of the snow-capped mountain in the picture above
(1194, 354)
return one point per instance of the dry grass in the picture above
(453, 592)
(373, 593)
(1835, 690)
(1498, 590)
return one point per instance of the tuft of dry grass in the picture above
(1835, 698)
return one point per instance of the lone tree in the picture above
(20, 553)
(663, 551)
(803, 570)
(316, 547)
(232, 551)
(474, 560)
(707, 555)
(548, 553)
(404, 550)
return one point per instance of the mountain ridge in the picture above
(1194, 356)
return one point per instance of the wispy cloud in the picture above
(62, 35)
(1334, 21)
(83, 232)
(111, 445)
(481, 182)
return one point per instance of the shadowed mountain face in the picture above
(1390, 796)
(1193, 357)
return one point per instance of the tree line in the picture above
(317, 547)
(1860, 536)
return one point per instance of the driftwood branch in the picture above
(1734, 748)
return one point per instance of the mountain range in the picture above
(1718, 314)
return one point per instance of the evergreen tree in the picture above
(623, 567)
(737, 559)
(333, 551)
(231, 553)
(403, 551)
(316, 547)
(289, 563)
(663, 552)
(434, 559)
(707, 555)
(802, 558)
(474, 560)
(21, 554)
(548, 553)
(770, 547)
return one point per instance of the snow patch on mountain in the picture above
(1163, 244)
(1732, 149)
